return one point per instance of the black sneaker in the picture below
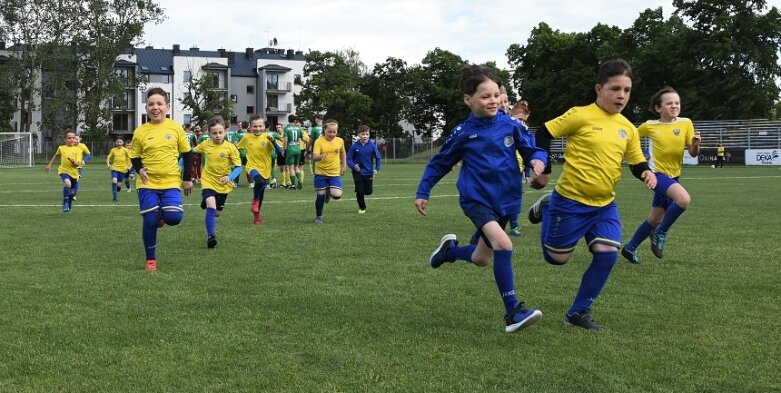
(521, 318)
(535, 212)
(582, 319)
(438, 256)
(211, 242)
(630, 255)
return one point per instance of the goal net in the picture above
(16, 149)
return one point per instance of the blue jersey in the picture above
(490, 175)
(365, 156)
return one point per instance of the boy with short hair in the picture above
(259, 146)
(331, 162)
(364, 160)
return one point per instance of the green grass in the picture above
(352, 305)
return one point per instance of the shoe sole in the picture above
(533, 218)
(528, 321)
(442, 242)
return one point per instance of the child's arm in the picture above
(108, 159)
(343, 157)
(350, 160)
(377, 159)
(48, 167)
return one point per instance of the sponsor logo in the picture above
(595, 128)
(508, 141)
(473, 136)
(767, 157)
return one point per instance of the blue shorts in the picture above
(566, 221)
(663, 183)
(481, 215)
(119, 175)
(65, 176)
(151, 200)
(219, 198)
(322, 182)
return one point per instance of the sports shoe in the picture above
(515, 231)
(211, 242)
(255, 206)
(438, 256)
(319, 220)
(657, 243)
(535, 212)
(151, 265)
(114, 200)
(521, 318)
(119, 188)
(582, 319)
(258, 219)
(361, 211)
(299, 185)
(630, 255)
(66, 207)
(252, 185)
(128, 189)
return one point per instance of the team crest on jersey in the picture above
(508, 141)
(677, 131)
(222, 154)
(622, 133)
(168, 136)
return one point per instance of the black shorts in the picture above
(220, 198)
(281, 160)
(481, 215)
(364, 184)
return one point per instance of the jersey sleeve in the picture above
(634, 153)
(235, 157)
(440, 165)
(199, 148)
(644, 130)
(184, 143)
(564, 124)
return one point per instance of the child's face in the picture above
(280, 130)
(613, 96)
(71, 139)
(363, 137)
(120, 143)
(504, 102)
(485, 100)
(156, 108)
(217, 133)
(670, 107)
(257, 126)
(329, 132)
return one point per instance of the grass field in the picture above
(352, 305)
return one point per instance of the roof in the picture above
(160, 61)
(274, 67)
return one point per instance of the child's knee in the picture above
(555, 259)
(173, 217)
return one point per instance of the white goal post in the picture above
(16, 149)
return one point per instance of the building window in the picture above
(250, 89)
(297, 79)
(187, 75)
(234, 120)
(144, 119)
(143, 98)
(234, 98)
(272, 81)
(121, 122)
(250, 110)
(272, 101)
(166, 78)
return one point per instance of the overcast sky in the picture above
(405, 29)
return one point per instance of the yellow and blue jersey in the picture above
(119, 158)
(331, 164)
(159, 146)
(221, 159)
(75, 153)
(668, 142)
(597, 143)
(259, 152)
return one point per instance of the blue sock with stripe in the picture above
(149, 233)
(211, 222)
(66, 193)
(593, 281)
(114, 191)
(503, 274)
(670, 215)
(319, 203)
(641, 233)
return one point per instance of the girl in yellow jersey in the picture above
(582, 204)
(72, 156)
(331, 162)
(669, 135)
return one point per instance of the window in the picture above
(166, 78)
(297, 79)
(186, 118)
(121, 122)
(272, 101)
(143, 119)
(250, 89)
(187, 76)
(163, 68)
(250, 110)
(234, 98)
(143, 98)
(234, 119)
(272, 81)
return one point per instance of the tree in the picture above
(389, 88)
(204, 100)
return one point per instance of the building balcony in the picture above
(285, 109)
(279, 88)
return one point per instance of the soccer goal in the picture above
(16, 149)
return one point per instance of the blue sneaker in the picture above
(630, 255)
(438, 256)
(515, 231)
(66, 207)
(582, 319)
(657, 243)
(521, 318)
(535, 212)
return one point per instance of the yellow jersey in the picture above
(258, 151)
(597, 143)
(331, 164)
(159, 146)
(668, 142)
(75, 153)
(119, 157)
(220, 161)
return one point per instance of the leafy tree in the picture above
(204, 101)
(389, 87)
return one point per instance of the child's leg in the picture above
(211, 214)
(149, 233)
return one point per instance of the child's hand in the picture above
(537, 165)
(47, 168)
(187, 186)
(649, 178)
(697, 138)
(145, 178)
(224, 180)
(422, 206)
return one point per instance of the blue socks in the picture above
(641, 233)
(463, 253)
(593, 281)
(149, 233)
(319, 203)
(66, 193)
(211, 222)
(503, 274)
(670, 215)
(114, 191)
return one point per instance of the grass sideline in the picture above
(352, 305)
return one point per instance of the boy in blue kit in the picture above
(364, 159)
(582, 204)
(489, 185)
(154, 155)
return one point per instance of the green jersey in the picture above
(294, 135)
(240, 134)
(315, 132)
